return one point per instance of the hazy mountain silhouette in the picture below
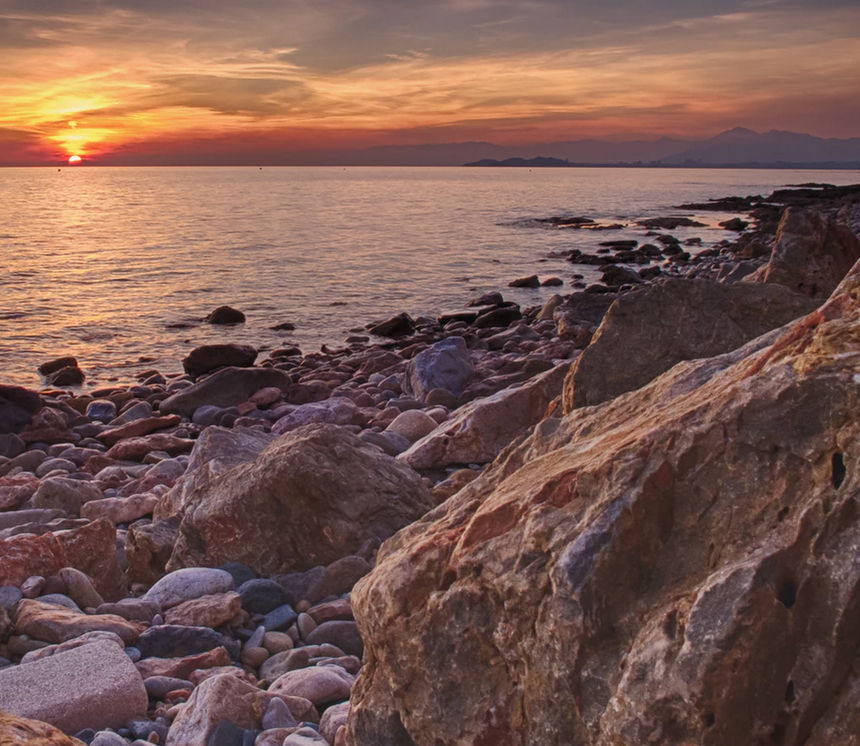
(738, 146)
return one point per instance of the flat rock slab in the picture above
(94, 686)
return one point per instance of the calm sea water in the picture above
(100, 262)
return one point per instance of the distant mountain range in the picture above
(735, 147)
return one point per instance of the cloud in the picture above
(161, 71)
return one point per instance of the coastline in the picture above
(159, 469)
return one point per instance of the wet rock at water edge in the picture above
(531, 281)
(52, 366)
(396, 326)
(69, 376)
(225, 315)
(206, 358)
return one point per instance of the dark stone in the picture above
(670, 223)
(396, 326)
(207, 358)
(11, 445)
(735, 224)
(343, 634)
(176, 641)
(52, 366)
(227, 733)
(240, 572)
(340, 576)
(297, 584)
(285, 326)
(615, 276)
(531, 281)
(487, 299)
(502, 316)
(225, 315)
(68, 376)
(157, 687)
(260, 596)
(17, 406)
(280, 618)
(450, 317)
(621, 244)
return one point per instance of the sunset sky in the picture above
(126, 81)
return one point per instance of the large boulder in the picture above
(444, 365)
(314, 495)
(647, 331)
(216, 451)
(206, 358)
(811, 254)
(479, 431)
(93, 686)
(678, 565)
(224, 388)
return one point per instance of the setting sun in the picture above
(73, 159)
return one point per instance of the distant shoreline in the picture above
(560, 163)
(476, 164)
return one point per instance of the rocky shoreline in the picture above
(179, 558)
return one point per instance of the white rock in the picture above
(190, 582)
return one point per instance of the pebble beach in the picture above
(178, 556)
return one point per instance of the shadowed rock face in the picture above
(678, 565)
(311, 497)
(811, 254)
(646, 332)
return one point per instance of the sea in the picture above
(118, 266)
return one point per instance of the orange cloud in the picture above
(106, 86)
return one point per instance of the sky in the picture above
(170, 81)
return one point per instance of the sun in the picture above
(74, 159)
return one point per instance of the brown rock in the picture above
(182, 668)
(15, 490)
(675, 566)
(219, 698)
(17, 731)
(647, 331)
(225, 388)
(206, 358)
(811, 253)
(71, 375)
(138, 428)
(148, 548)
(53, 623)
(216, 451)
(120, 509)
(134, 449)
(322, 685)
(90, 548)
(47, 426)
(207, 611)
(327, 611)
(315, 494)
